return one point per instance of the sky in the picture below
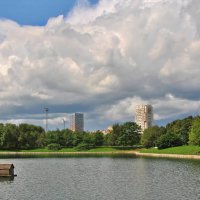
(36, 13)
(101, 58)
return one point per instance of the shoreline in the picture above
(134, 153)
(179, 156)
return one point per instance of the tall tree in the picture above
(150, 136)
(98, 138)
(129, 134)
(194, 136)
(68, 137)
(115, 134)
(9, 138)
(181, 127)
(1, 133)
(77, 138)
(30, 136)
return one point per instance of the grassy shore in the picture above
(182, 150)
(68, 152)
(98, 149)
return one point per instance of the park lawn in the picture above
(184, 150)
(105, 149)
(41, 150)
(47, 150)
(97, 149)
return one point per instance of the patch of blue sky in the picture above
(36, 12)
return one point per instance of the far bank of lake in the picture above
(184, 152)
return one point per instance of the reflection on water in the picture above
(102, 178)
(7, 179)
(78, 155)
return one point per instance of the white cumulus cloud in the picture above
(107, 57)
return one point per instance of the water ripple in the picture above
(102, 179)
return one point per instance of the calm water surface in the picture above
(102, 179)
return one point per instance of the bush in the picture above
(54, 146)
(127, 147)
(168, 140)
(84, 146)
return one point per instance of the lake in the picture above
(102, 178)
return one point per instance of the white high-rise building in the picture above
(76, 122)
(144, 116)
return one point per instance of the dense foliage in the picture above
(151, 135)
(194, 135)
(179, 132)
(54, 146)
(127, 134)
(24, 136)
(83, 146)
(168, 140)
(27, 136)
(181, 127)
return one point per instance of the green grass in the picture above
(184, 150)
(47, 150)
(97, 149)
(104, 149)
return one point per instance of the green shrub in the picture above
(168, 140)
(84, 146)
(54, 146)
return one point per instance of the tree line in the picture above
(28, 136)
(177, 133)
(23, 136)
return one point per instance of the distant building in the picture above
(76, 122)
(144, 116)
(107, 131)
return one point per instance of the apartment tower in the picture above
(144, 116)
(76, 122)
